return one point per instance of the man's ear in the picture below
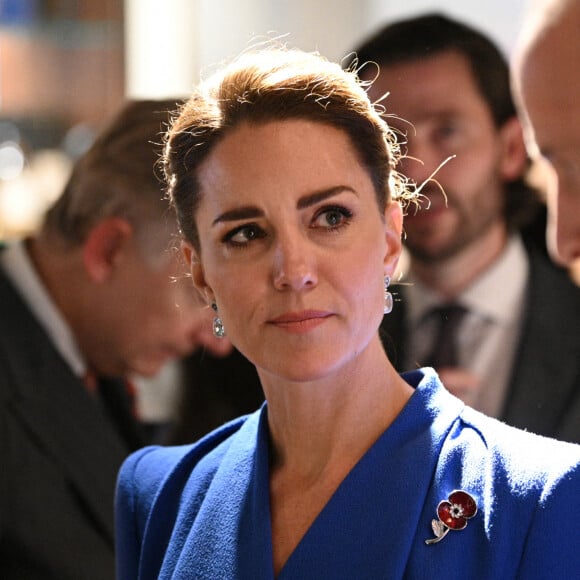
(195, 266)
(514, 158)
(393, 232)
(104, 246)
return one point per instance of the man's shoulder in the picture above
(28, 356)
(554, 279)
(553, 307)
(14, 312)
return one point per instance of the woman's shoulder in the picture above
(526, 489)
(156, 482)
(521, 471)
(525, 455)
(149, 468)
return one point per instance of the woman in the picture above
(282, 175)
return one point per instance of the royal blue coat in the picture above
(202, 511)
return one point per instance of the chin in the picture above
(147, 370)
(301, 372)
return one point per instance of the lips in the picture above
(300, 321)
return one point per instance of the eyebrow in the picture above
(250, 211)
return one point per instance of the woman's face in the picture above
(293, 246)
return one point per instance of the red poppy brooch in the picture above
(453, 514)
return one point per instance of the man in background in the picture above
(481, 301)
(96, 297)
(547, 87)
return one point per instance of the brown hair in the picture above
(117, 177)
(268, 85)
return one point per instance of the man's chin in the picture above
(431, 253)
(149, 369)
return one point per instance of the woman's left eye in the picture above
(332, 217)
(243, 235)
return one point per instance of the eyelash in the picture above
(256, 232)
(345, 213)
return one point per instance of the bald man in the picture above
(547, 89)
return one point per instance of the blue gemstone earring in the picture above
(388, 296)
(219, 330)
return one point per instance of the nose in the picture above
(567, 221)
(420, 161)
(565, 212)
(294, 264)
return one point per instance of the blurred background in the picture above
(65, 65)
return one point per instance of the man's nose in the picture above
(565, 210)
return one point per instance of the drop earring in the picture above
(218, 328)
(388, 307)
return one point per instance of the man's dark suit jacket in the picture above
(59, 456)
(544, 389)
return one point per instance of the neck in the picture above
(59, 270)
(451, 276)
(332, 422)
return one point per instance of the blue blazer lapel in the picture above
(368, 527)
(231, 534)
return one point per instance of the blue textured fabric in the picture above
(202, 511)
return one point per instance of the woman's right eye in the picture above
(243, 235)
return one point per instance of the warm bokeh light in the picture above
(11, 160)
(25, 196)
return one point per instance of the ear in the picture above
(104, 246)
(195, 266)
(514, 158)
(393, 233)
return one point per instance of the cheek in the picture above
(355, 275)
(470, 173)
(239, 293)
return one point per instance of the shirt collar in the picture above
(499, 291)
(494, 294)
(21, 271)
